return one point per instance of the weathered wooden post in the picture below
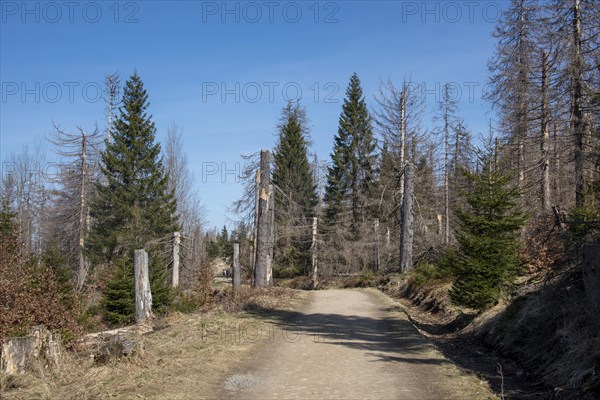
(176, 243)
(313, 251)
(236, 266)
(388, 236)
(263, 265)
(143, 296)
(377, 255)
(408, 220)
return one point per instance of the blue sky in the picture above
(223, 70)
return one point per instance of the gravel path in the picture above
(349, 344)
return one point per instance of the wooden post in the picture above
(143, 296)
(265, 233)
(313, 251)
(377, 256)
(408, 221)
(236, 266)
(176, 243)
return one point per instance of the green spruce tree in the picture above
(133, 205)
(224, 242)
(487, 260)
(295, 193)
(353, 164)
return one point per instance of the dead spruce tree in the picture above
(77, 176)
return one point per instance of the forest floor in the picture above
(331, 344)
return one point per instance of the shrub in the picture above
(118, 300)
(424, 272)
(487, 258)
(29, 295)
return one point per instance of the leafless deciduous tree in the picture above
(24, 188)
(191, 211)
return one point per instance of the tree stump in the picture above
(143, 296)
(39, 349)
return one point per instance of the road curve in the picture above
(349, 344)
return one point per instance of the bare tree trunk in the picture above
(265, 229)
(408, 221)
(236, 276)
(41, 226)
(413, 152)
(83, 214)
(577, 121)
(557, 164)
(402, 132)
(143, 296)
(377, 245)
(255, 236)
(313, 250)
(521, 98)
(446, 166)
(545, 162)
(176, 244)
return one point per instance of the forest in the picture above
(485, 215)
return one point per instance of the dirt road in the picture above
(331, 344)
(349, 344)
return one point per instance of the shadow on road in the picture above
(377, 337)
(398, 341)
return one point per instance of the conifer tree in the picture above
(487, 259)
(353, 163)
(133, 205)
(295, 193)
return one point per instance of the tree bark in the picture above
(408, 221)
(545, 138)
(313, 250)
(446, 166)
(83, 214)
(577, 122)
(143, 296)
(263, 276)
(236, 276)
(377, 245)
(176, 244)
(402, 131)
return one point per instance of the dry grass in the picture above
(545, 328)
(549, 331)
(186, 357)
